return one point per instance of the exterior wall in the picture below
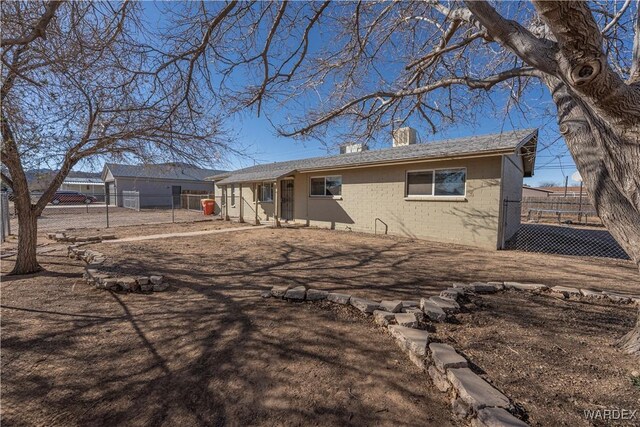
(532, 192)
(91, 189)
(156, 193)
(512, 177)
(265, 209)
(378, 192)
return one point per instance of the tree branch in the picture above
(39, 30)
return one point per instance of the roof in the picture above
(84, 181)
(560, 190)
(502, 143)
(543, 190)
(166, 171)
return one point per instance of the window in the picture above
(420, 183)
(265, 192)
(322, 186)
(439, 182)
(233, 195)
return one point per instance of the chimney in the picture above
(404, 136)
(353, 147)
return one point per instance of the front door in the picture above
(286, 199)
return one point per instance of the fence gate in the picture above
(131, 200)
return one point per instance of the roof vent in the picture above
(353, 147)
(404, 136)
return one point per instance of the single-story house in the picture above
(88, 185)
(159, 185)
(570, 191)
(456, 191)
(535, 192)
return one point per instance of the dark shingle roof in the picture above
(168, 171)
(506, 141)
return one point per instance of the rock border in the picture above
(472, 398)
(100, 279)
(63, 237)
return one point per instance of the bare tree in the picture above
(82, 80)
(366, 67)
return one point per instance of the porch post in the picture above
(255, 199)
(241, 204)
(276, 204)
(226, 204)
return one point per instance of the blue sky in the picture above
(261, 143)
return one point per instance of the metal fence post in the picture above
(107, 205)
(173, 213)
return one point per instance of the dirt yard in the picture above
(211, 351)
(555, 358)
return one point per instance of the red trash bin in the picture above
(208, 206)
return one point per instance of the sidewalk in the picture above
(185, 234)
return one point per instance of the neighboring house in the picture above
(572, 191)
(448, 191)
(160, 185)
(535, 192)
(92, 186)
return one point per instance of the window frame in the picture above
(325, 196)
(433, 195)
(261, 187)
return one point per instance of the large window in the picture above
(265, 192)
(439, 182)
(322, 186)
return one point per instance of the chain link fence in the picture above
(133, 208)
(563, 226)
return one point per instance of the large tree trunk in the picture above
(26, 260)
(630, 343)
(607, 154)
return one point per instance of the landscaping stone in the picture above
(156, 279)
(498, 285)
(452, 293)
(338, 298)
(446, 304)
(496, 417)
(127, 283)
(316, 295)
(621, 299)
(460, 408)
(413, 341)
(588, 293)
(160, 287)
(414, 310)
(474, 391)
(407, 319)
(383, 318)
(364, 305)
(483, 288)
(444, 357)
(146, 288)
(266, 294)
(297, 294)
(111, 284)
(439, 379)
(432, 311)
(392, 306)
(565, 291)
(142, 280)
(279, 291)
(108, 237)
(410, 304)
(525, 286)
